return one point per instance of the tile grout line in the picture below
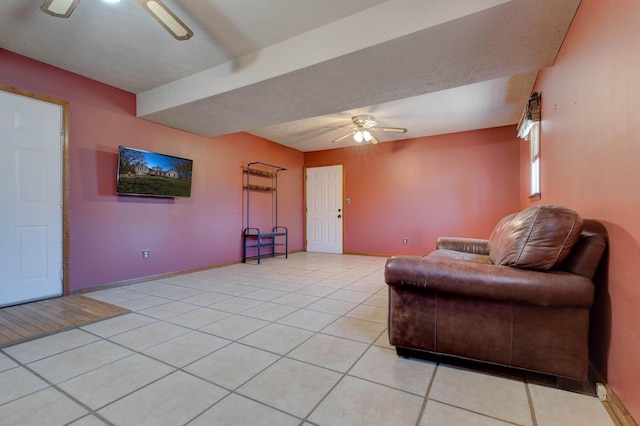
(530, 401)
(345, 374)
(285, 356)
(313, 332)
(237, 341)
(426, 395)
(55, 386)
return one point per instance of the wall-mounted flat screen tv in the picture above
(152, 174)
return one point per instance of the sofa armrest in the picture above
(491, 282)
(467, 245)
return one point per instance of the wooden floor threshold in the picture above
(36, 319)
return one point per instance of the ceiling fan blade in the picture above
(343, 137)
(59, 8)
(374, 140)
(167, 19)
(390, 129)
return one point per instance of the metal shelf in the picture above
(263, 244)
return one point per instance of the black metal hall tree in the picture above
(257, 244)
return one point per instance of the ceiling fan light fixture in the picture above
(364, 129)
(167, 19)
(59, 8)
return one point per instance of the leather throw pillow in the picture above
(539, 237)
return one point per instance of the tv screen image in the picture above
(152, 174)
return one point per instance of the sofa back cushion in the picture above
(539, 237)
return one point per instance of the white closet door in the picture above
(31, 197)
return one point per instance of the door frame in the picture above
(304, 199)
(65, 184)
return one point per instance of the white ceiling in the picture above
(296, 71)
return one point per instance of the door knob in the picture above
(339, 216)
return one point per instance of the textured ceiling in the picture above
(295, 71)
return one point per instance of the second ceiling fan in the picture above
(364, 126)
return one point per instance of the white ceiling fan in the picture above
(364, 125)
(157, 9)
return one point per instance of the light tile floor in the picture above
(298, 341)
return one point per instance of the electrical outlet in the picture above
(405, 240)
(145, 253)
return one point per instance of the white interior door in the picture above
(31, 197)
(324, 209)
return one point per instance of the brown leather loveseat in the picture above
(519, 299)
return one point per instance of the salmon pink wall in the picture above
(108, 232)
(458, 184)
(590, 151)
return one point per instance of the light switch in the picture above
(348, 200)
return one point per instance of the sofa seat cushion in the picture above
(466, 245)
(537, 238)
(460, 255)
